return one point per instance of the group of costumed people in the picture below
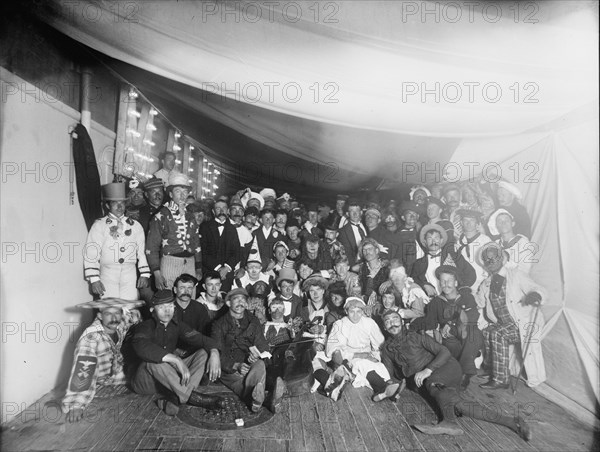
(264, 293)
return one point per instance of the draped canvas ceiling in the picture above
(354, 87)
(370, 91)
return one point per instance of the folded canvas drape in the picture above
(360, 83)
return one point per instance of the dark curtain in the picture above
(87, 176)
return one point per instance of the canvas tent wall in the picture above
(371, 66)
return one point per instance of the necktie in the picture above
(120, 226)
(360, 230)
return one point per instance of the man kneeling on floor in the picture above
(240, 337)
(410, 355)
(155, 341)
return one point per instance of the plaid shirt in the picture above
(98, 361)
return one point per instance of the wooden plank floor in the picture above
(122, 421)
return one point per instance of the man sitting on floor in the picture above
(155, 342)
(280, 335)
(240, 338)
(98, 359)
(414, 356)
(451, 319)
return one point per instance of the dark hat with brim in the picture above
(292, 222)
(111, 303)
(233, 292)
(162, 297)
(410, 206)
(252, 210)
(267, 210)
(332, 223)
(451, 269)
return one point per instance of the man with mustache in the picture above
(236, 218)
(189, 311)
(155, 342)
(154, 194)
(241, 339)
(418, 359)
(98, 360)
(220, 244)
(173, 246)
(435, 240)
(114, 245)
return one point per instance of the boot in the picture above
(464, 384)
(168, 406)
(442, 428)
(493, 384)
(258, 397)
(207, 401)
(277, 395)
(523, 429)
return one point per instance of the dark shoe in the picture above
(258, 397)
(170, 408)
(484, 373)
(464, 384)
(493, 384)
(277, 395)
(207, 401)
(523, 428)
(391, 391)
(442, 428)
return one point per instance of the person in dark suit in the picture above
(440, 251)
(353, 232)
(266, 237)
(380, 233)
(220, 244)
